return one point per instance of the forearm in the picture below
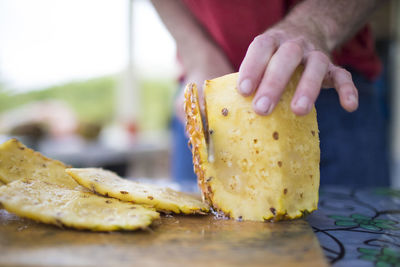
(193, 43)
(336, 20)
(201, 58)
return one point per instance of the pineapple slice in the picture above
(262, 167)
(163, 199)
(51, 203)
(39, 188)
(17, 161)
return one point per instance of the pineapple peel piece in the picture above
(265, 167)
(163, 199)
(197, 138)
(50, 203)
(19, 162)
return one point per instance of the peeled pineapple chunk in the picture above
(163, 199)
(50, 203)
(19, 162)
(264, 167)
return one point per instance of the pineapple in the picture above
(39, 188)
(252, 167)
(17, 161)
(53, 204)
(163, 199)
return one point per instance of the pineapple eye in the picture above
(273, 210)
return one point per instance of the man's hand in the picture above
(273, 57)
(306, 36)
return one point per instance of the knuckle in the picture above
(346, 88)
(320, 56)
(347, 73)
(311, 83)
(263, 41)
(301, 41)
(292, 49)
(273, 87)
(344, 73)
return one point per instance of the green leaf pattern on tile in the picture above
(382, 257)
(365, 222)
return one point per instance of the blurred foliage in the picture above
(94, 100)
(157, 96)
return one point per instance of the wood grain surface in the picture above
(172, 241)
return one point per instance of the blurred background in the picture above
(88, 82)
(91, 83)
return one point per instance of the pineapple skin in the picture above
(197, 141)
(266, 167)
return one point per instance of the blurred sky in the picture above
(47, 42)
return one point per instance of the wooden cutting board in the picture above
(173, 241)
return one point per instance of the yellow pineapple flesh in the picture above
(263, 167)
(164, 199)
(53, 204)
(17, 162)
(38, 188)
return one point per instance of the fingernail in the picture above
(303, 103)
(245, 87)
(351, 99)
(263, 105)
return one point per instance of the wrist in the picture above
(334, 21)
(321, 33)
(324, 28)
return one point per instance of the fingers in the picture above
(273, 82)
(341, 80)
(316, 67)
(268, 67)
(344, 85)
(254, 63)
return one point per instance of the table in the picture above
(354, 228)
(358, 227)
(174, 241)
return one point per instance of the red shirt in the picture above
(233, 24)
